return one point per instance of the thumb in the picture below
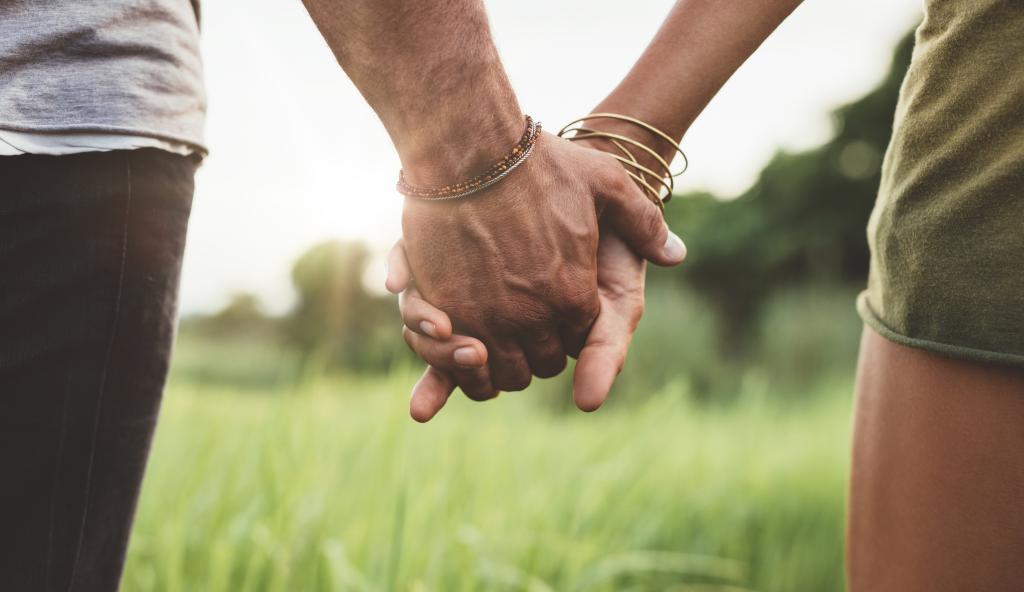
(601, 359)
(430, 394)
(399, 276)
(639, 221)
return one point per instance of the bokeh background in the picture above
(285, 459)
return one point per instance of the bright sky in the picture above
(297, 156)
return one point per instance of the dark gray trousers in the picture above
(90, 256)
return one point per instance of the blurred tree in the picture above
(243, 317)
(335, 320)
(239, 345)
(242, 310)
(802, 220)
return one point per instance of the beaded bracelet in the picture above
(665, 179)
(499, 171)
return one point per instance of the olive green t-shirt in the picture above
(947, 232)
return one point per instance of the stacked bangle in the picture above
(499, 171)
(639, 172)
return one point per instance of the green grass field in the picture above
(336, 489)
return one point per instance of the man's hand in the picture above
(458, 359)
(516, 266)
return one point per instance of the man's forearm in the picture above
(431, 72)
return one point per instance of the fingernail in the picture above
(466, 356)
(674, 248)
(429, 328)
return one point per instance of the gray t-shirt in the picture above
(116, 66)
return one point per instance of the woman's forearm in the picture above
(696, 50)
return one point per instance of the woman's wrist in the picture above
(665, 150)
(645, 150)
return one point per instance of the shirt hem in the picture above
(108, 129)
(867, 314)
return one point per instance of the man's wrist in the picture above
(460, 141)
(431, 72)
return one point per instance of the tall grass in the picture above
(334, 488)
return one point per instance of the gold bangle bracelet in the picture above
(641, 178)
(631, 161)
(664, 179)
(575, 131)
(675, 145)
(642, 169)
(650, 191)
(592, 133)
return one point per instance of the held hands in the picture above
(620, 277)
(520, 276)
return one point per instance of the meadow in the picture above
(330, 486)
(285, 459)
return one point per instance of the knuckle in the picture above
(519, 384)
(523, 318)
(652, 221)
(616, 183)
(475, 385)
(513, 381)
(615, 177)
(584, 307)
(477, 392)
(581, 298)
(551, 366)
